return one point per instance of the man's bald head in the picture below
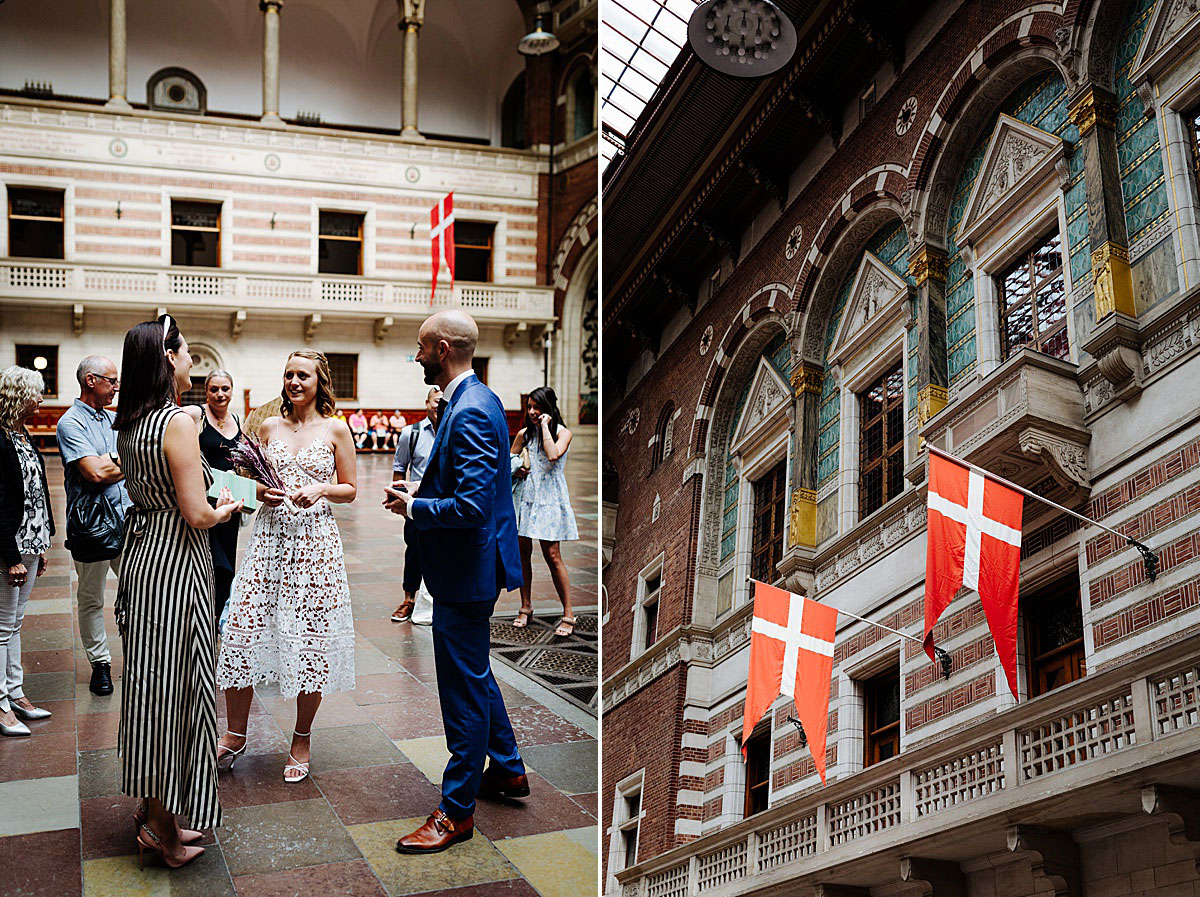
(457, 328)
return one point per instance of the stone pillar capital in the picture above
(412, 13)
(1093, 105)
(807, 378)
(928, 262)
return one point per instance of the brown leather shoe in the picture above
(438, 833)
(495, 784)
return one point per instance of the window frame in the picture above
(329, 356)
(1027, 259)
(875, 737)
(624, 821)
(491, 247)
(642, 639)
(61, 219)
(360, 239)
(1035, 663)
(755, 788)
(50, 351)
(887, 453)
(172, 227)
(774, 550)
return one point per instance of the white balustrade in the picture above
(949, 783)
(864, 814)
(787, 843)
(669, 883)
(1176, 699)
(1077, 736)
(303, 293)
(722, 866)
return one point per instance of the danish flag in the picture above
(441, 234)
(974, 526)
(791, 653)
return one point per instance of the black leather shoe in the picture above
(101, 678)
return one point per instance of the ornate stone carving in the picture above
(1066, 461)
(1112, 282)
(906, 116)
(1015, 157)
(876, 293)
(767, 395)
(802, 528)
(898, 527)
(794, 241)
(930, 400)
(1094, 107)
(706, 339)
(927, 262)
(631, 421)
(807, 378)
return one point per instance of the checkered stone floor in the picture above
(378, 752)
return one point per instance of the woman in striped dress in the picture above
(164, 609)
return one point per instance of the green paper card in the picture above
(241, 487)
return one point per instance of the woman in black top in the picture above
(220, 431)
(26, 525)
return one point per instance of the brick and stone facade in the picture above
(991, 128)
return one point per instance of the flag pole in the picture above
(1148, 556)
(941, 654)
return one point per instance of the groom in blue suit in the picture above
(468, 549)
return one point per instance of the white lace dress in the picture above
(289, 610)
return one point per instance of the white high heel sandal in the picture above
(295, 765)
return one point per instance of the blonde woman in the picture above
(289, 615)
(26, 525)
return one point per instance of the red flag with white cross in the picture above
(791, 653)
(441, 236)
(974, 526)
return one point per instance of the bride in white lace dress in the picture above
(289, 613)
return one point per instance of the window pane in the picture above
(1047, 258)
(1056, 345)
(895, 426)
(872, 490)
(1052, 304)
(473, 265)
(35, 239)
(895, 477)
(44, 360)
(1016, 285)
(341, 224)
(339, 257)
(194, 247)
(33, 203)
(344, 370)
(473, 233)
(1020, 326)
(195, 214)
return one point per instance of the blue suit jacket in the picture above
(464, 509)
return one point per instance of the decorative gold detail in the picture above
(928, 262)
(930, 400)
(1113, 283)
(807, 379)
(1091, 109)
(803, 526)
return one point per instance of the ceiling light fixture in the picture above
(743, 38)
(539, 41)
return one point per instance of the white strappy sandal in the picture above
(230, 753)
(295, 765)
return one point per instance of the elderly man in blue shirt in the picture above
(87, 444)
(412, 455)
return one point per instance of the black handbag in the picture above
(95, 529)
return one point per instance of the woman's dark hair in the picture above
(545, 399)
(149, 381)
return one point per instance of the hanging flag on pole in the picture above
(974, 527)
(441, 235)
(791, 653)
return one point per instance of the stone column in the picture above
(412, 17)
(1093, 110)
(116, 56)
(928, 266)
(806, 387)
(270, 69)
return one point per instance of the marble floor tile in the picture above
(545, 810)
(415, 717)
(382, 688)
(538, 725)
(257, 779)
(41, 687)
(352, 879)
(558, 864)
(472, 862)
(37, 757)
(45, 864)
(374, 793)
(569, 767)
(120, 876)
(98, 731)
(284, 836)
(99, 773)
(39, 805)
(513, 887)
(342, 747)
(427, 754)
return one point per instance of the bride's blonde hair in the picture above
(326, 401)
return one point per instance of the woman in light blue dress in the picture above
(544, 509)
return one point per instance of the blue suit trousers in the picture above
(473, 712)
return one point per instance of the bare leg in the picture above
(237, 709)
(526, 571)
(558, 572)
(307, 703)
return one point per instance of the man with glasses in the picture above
(88, 446)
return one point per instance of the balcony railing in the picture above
(124, 286)
(1117, 722)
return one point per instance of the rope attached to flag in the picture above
(1149, 557)
(942, 656)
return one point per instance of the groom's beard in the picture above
(432, 369)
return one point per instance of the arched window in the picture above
(583, 103)
(512, 114)
(663, 437)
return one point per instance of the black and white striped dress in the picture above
(168, 734)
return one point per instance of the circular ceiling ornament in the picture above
(906, 116)
(743, 38)
(706, 339)
(795, 238)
